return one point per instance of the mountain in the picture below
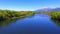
(48, 9)
(56, 9)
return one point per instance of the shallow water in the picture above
(37, 24)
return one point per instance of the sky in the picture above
(26, 5)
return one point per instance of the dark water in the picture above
(37, 24)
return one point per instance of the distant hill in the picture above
(48, 9)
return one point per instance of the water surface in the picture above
(37, 24)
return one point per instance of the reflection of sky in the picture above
(34, 24)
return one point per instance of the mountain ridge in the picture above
(48, 10)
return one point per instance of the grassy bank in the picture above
(9, 14)
(55, 15)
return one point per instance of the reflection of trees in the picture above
(7, 22)
(9, 16)
(57, 22)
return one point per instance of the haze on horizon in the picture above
(28, 4)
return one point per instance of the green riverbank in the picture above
(9, 14)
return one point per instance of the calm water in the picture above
(37, 24)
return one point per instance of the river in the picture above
(37, 24)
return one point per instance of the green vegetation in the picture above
(12, 15)
(55, 15)
(9, 14)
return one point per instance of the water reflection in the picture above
(6, 22)
(9, 21)
(57, 22)
(33, 24)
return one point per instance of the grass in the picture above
(55, 15)
(9, 14)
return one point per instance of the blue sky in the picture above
(28, 4)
